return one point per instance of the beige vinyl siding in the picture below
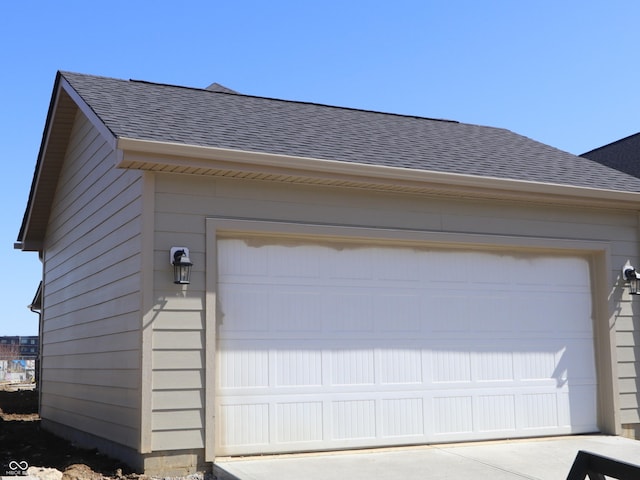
(183, 202)
(91, 330)
(178, 371)
(628, 339)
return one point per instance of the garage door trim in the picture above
(597, 252)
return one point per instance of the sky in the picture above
(566, 73)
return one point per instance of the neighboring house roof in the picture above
(216, 87)
(623, 155)
(216, 131)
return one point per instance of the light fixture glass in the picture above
(179, 257)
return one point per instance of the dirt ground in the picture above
(24, 443)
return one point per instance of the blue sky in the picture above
(565, 73)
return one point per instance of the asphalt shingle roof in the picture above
(214, 118)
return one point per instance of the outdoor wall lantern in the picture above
(179, 258)
(632, 278)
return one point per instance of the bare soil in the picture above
(22, 440)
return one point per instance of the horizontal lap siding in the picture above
(628, 339)
(91, 328)
(183, 202)
(178, 376)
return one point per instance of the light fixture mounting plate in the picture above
(173, 251)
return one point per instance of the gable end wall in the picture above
(91, 305)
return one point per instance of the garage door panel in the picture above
(403, 417)
(450, 314)
(492, 365)
(245, 366)
(570, 361)
(538, 410)
(297, 367)
(576, 312)
(352, 264)
(450, 366)
(294, 311)
(300, 262)
(245, 426)
(470, 313)
(352, 367)
(402, 267)
(578, 406)
(353, 419)
(296, 363)
(368, 346)
(299, 422)
(492, 314)
(237, 262)
(349, 312)
(495, 413)
(400, 366)
(536, 365)
(397, 313)
(271, 424)
(452, 414)
(243, 309)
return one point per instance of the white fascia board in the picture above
(181, 154)
(24, 245)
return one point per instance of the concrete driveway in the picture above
(540, 459)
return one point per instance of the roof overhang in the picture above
(211, 161)
(158, 156)
(63, 108)
(36, 304)
(60, 118)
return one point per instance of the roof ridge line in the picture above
(302, 102)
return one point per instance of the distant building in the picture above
(26, 347)
(29, 346)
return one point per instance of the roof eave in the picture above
(24, 240)
(183, 158)
(63, 107)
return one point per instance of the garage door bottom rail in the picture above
(597, 467)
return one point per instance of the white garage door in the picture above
(333, 346)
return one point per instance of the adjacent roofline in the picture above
(609, 145)
(36, 304)
(167, 156)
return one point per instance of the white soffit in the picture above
(200, 160)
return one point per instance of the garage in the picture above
(351, 278)
(329, 345)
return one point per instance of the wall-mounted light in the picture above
(179, 258)
(632, 278)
